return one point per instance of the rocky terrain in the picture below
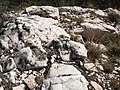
(60, 48)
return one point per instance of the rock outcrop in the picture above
(44, 48)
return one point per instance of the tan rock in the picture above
(30, 81)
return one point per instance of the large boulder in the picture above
(64, 77)
(44, 28)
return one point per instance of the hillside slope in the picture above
(60, 48)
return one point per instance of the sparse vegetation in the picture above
(115, 84)
(114, 48)
(108, 67)
(94, 52)
(114, 17)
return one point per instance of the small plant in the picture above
(113, 17)
(115, 84)
(114, 48)
(78, 20)
(94, 52)
(108, 67)
(39, 54)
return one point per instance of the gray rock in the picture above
(78, 50)
(100, 13)
(20, 87)
(64, 77)
(4, 44)
(8, 65)
(100, 26)
(30, 59)
(45, 11)
(1, 88)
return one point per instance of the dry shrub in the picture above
(108, 67)
(96, 35)
(78, 20)
(94, 52)
(115, 84)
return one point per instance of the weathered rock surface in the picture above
(30, 81)
(78, 50)
(64, 77)
(45, 11)
(43, 48)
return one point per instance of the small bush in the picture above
(114, 18)
(94, 52)
(39, 54)
(108, 67)
(115, 84)
(114, 46)
(78, 20)
(115, 51)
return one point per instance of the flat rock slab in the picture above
(64, 77)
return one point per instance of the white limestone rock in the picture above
(109, 27)
(44, 11)
(44, 28)
(100, 12)
(12, 76)
(1, 88)
(64, 77)
(23, 76)
(96, 20)
(92, 26)
(96, 86)
(1, 70)
(20, 87)
(111, 11)
(73, 9)
(4, 44)
(78, 49)
(103, 27)
(117, 69)
(90, 66)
